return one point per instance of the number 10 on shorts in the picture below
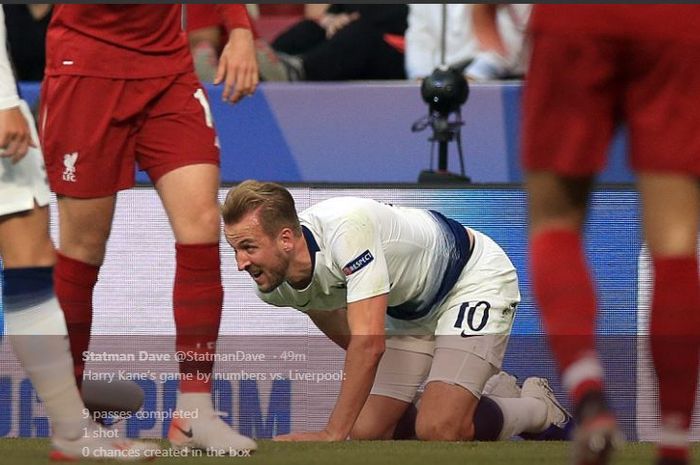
(477, 316)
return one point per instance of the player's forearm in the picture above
(333, 324)
(361, 361)
(240, 35)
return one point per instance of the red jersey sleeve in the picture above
(234, 16)
(201, 15)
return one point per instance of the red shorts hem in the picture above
(158, 172)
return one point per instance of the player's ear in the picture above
(286, 237)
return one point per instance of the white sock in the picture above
(194, 402)
(40, 341)
(584, 369)
(521, 415)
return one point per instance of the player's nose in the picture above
(242, 263)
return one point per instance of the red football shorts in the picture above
(580, 88)
(95, 130)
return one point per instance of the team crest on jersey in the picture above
(69, 161)
(364, 259)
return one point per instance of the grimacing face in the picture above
(257, 253)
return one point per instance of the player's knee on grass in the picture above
(443, 428)
(485, 425)
(442, 417)
(447, 410)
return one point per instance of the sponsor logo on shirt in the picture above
(364, 259)
(69, 161)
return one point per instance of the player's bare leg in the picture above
(671, 211)
(449, 412)
(24, 239)
(565, 295)
(446, 413)
(190, 198)
(84, 227)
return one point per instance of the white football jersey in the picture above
(362, 248)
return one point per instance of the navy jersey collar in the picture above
(311, 244)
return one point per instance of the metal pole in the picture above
(442, 156)
(443, 35)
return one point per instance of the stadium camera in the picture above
(445, 91)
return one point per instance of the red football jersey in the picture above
(124, 41)
(654, 22)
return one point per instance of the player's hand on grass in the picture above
(324, 436)
(15, 137)
(238, 67)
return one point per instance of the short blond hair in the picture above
(274, 203)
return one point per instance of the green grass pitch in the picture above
(35, 451)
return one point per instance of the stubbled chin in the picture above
(266, 286)
(265, 289)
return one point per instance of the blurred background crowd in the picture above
(332, 42)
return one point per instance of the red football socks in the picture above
(197, 303)
(675, 340)
(565, 295)
(74, 282)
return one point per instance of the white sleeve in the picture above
(422, 41)
(8, 87)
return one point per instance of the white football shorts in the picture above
(24, 183)
(463, 340)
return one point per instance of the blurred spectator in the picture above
(315, 11)
(462, 47)
(26, 33)
(499, 30)
(278, 17)
(207, 36)
(348, 41)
